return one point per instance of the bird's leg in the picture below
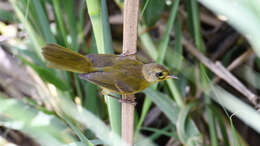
(130, 101)
(104, 92)
(129, 56)
(118, 99)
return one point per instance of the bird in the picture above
(113, 73)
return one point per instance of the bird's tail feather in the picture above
(64, 58)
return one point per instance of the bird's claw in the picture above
(128, 101)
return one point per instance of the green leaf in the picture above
(165, 104)
(81, 136)
(221, 123)
(172, 111)
(37, 41)
(6, 16)
(153, 11)
(43, 21)
(158, 132)
(97, 10)
(91, 101)
(166, 36)
(69, 8)
(234, 134)
(242, 110)
(60, 21)
(186, 134)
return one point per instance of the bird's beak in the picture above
(172, 77)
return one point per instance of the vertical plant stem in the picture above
(131, 8)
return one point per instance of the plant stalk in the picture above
(131, 8)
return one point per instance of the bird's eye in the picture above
(160, 75)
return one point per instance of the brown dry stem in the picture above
(131, 8)
(221, 72)
(238, 61)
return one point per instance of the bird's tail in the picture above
(64, 58)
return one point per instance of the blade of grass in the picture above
(196, 25)
(242, 110)
(91, 121)
(146, 105)
(60, 22)
(81, 136)
(177, 58)
(91, 100)
(203, 70)
(81, 13)
(43, 22)
(163, 49)
(144, 8)
(62, 29)
(41, 18)
(147, 41)
(186, 135)
(99, 22)
(69, 7)
(172, 111)
(78, 86)
(195, 20)
(37, 41)
(113, 105)
(221, 124)
(166, 105)
(159, 132)
(149, 15)
(94, 11)
(6, 16)
(234, 134)
(212, 126)
(151, 50)
(106, 28)
(166, 36)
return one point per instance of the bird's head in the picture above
(155, 72)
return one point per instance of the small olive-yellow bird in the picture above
(118, 74)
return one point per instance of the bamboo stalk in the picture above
(131, 8)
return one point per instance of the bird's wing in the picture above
(102, 60)
(102, 79)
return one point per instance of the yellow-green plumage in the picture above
(119, 74)
(63, 58)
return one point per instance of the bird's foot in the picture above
(104, 92)
(128, 101)
(126, 54)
